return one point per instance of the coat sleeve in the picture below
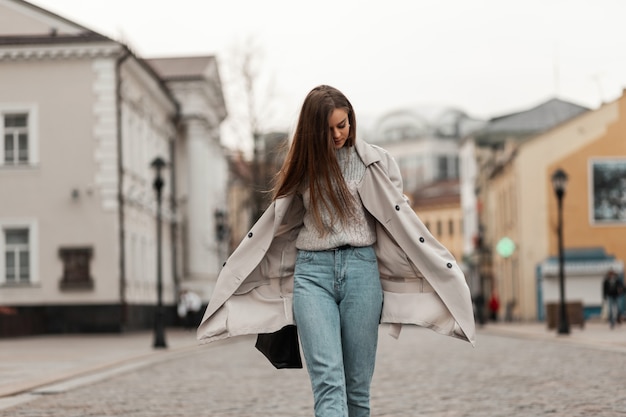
(393, 171)
(262, 263)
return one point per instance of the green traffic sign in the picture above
(505, 247)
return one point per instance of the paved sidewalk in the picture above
(31, 363)
(595, 334)
(27, 363)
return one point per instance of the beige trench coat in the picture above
(422, 283)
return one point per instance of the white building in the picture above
(82, 118)
(424, 141)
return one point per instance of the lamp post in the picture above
(158, 164)
(221, 232)
(559, 183)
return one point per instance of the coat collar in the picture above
(366, 152)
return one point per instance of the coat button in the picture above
(250, 234)
(421, 239)
(449, 265)
(397, 208)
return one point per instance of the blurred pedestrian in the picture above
(189, 305)
(479, 308)
(612, 289)
(494, 305)
(338, 237)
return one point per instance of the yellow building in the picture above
(521, 205)
(439, 207)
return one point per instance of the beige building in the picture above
(521, 205)
(82, 118)
(439, 207)
(483, 156)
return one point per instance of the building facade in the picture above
(488, 214)
(201, 168)
(424, 141)
(522, 206)
(82, 118)
(439, 207)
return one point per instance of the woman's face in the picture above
(339, 127)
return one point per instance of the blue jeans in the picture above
(337, 303)
(613, 310)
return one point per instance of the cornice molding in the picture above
(46, 52)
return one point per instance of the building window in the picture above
(18, 251)
(76, 268)
(439, 228)
(16, 256)
(19, 142)
(451, 227)
(16, 139)
(442, 167)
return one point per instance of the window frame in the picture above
(69, 254)
(33, 255)
(17, 250)
(32, 128)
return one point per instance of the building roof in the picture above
(47, 28)
(53, 38)
(596, 253)
(196, 68)
(411, 123)
(443, 192)
(582, 261)
(529, 122)
(50, 29)
(183, 68)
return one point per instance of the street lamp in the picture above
(158, 164)
(221, 233)
(559, 183)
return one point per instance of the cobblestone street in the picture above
(421, 374)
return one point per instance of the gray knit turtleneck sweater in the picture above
(359, 230)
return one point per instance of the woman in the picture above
(337, 239)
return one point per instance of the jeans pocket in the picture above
(365, 253)
(304, 256)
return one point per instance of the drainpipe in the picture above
(174, 209)
(120, 189)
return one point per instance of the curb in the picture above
(578, 337)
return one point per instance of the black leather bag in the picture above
(281, 348)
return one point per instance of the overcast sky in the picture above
(486, 57)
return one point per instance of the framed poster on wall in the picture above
(608, 191)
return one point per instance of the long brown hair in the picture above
(311, 161)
